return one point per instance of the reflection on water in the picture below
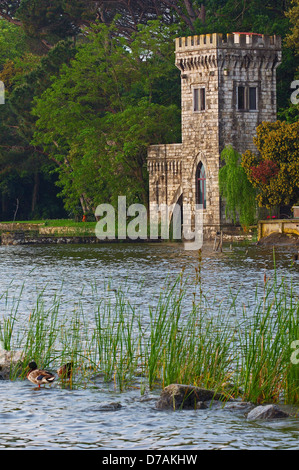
(59, 418)
(79, 267)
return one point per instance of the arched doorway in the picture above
(201, 186)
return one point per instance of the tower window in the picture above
(252, 98)
(199, 99)
(202, 99)
(196, 99)
(201, 186)
(246, 98)
(241, 97)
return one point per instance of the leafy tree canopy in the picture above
(292, 39)
(274, 170)
(26, 173)
(122, 79)
(62, 17)
(99, 116)
(237, 190)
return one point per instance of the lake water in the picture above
(61, 418)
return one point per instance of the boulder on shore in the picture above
(279, 239)
(267, 412)
(178, 396)
(9, 360)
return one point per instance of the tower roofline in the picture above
(232, 40)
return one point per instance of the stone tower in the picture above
(228, 86)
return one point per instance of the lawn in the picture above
(54, 223)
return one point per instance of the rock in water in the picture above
(177, 396)
(9, 360)
(267, 412)
(106, 407)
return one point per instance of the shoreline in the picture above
(22, 233)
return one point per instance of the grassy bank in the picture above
(48, 228)
(182, 338)
(53, 223)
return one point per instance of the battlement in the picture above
(233, 40)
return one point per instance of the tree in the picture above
(291, 113)
(130, 133)
(274, 170)
(292, 38)
(112, 87)
(236, 189)
(26, 178)
(98, 118)
(25, 172)
(8, 9)
(12, 42)
(46, 20)
(62, 18)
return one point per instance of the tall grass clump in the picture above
(41, 335)
(266, 372)
(8, 321)
(291, 389)
(187, 345)
(117, 339)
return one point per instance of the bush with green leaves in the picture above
(237, 191)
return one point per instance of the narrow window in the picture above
(241, 97)
(202, 99)
(201, 186)
(247, 98)
(252, 99)
(196, 99)
(199, 99)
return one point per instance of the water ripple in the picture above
(72, 419)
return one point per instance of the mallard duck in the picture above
(39, 376)
(65, 371)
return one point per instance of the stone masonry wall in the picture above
(218, 64)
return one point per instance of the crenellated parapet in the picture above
(216, 50)
(235, 40)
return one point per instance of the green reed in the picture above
(186, 346)
(266, 372)
(8, 322)
(183, 337)
(116, 339)
(41, 335)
